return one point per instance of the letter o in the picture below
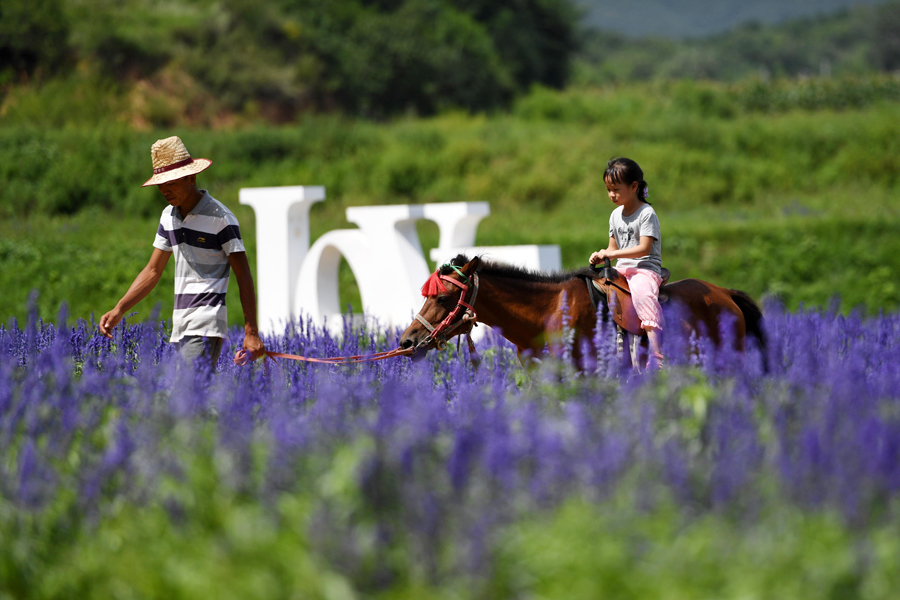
(317, 293)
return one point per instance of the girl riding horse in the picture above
(527, 308)
(634, 241)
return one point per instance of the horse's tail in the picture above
(753, 318)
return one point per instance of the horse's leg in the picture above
(725, 323)
(628, 349)
(644, 349)
(634, 351)
(640, 352)
(623, 348)
(740, 334)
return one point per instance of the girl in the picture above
(634, 241)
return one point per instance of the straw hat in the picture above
(172, 161)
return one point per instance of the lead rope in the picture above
(241, 358)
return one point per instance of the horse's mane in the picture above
(499, 269)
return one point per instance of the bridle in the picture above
(462, 314)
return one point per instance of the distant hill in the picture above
(694, 18)
(850, 42)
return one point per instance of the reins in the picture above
(608, 273)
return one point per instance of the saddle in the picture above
(610, 289)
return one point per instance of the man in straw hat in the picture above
(206, 240)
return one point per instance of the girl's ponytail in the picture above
(643, 191)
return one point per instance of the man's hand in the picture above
(110, 320)
(254, 346)
(143, 283)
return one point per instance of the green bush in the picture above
(423, 57)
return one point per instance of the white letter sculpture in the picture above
(385, 255)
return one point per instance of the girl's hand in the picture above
(599, 257)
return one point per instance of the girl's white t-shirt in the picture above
(628, 231)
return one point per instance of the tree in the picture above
(419, 55)
(886, 41)
(33, 37)
(535, 38)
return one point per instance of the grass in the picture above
(797, 253)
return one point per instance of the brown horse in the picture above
(528, 307)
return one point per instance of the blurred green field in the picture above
(757, 186)
(225, 545)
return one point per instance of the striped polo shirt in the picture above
(201, 242)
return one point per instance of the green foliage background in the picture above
(777, 188)
(370, 57)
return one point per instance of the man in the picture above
(206, 240)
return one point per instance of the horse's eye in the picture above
(442, 300)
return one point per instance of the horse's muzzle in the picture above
(420, 349)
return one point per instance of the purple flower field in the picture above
(433, 461)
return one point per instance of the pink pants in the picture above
(644, 285)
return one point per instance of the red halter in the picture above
(453, 320)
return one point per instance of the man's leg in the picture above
(192, 347)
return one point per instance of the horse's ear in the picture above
(470, 267)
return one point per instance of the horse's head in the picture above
(448, 310)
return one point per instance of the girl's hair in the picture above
(625, 170)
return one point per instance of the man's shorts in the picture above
(192, 347)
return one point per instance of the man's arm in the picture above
(241, 268)
(143, 283)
